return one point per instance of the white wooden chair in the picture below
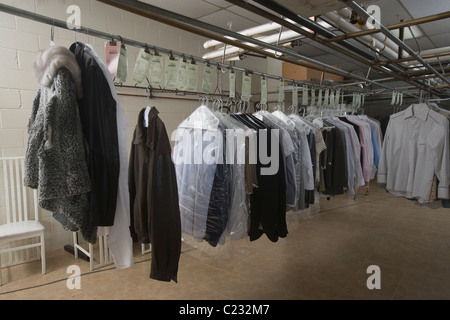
(104, 254)
(144, 250)
(20, 229)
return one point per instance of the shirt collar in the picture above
(417, 110)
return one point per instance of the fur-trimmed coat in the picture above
(55, 160)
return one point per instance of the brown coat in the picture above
(155, 213)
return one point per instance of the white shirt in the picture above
(120, 242)
(416, 146)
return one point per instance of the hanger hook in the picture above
(52, 31)
(149, 93)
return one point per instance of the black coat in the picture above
(99, 123)
(155, 212)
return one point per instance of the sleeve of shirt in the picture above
(132, 189)
(442, 163)
(307, 170)
(383, 163)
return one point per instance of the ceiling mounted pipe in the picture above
(343, 24)
(278, 8)
(435, 51)
(427, 57)
(355, 6)
(375, 65)
(403, 24)
(213, 32)
(381, 40)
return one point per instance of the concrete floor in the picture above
(323, 257)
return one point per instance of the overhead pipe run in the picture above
(43, 19)
(107, 36)
(355, 6)
(341, 19)
(379, 40)
(257, 10)
(404, 24)
(217, 33)
(436, 52)
(278, 8)
(423, 56)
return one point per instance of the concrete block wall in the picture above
(21, 39)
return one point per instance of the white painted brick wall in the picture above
(21, 39)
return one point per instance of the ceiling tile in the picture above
(424, 44)
(308, 8)
(222, 17)
(219, 3)
(308, 50)
(245, 14)
(420, 8)
(191, 8)
(436, 27)
(441, 40)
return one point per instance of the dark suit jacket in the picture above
(99, 122)
(155, 212)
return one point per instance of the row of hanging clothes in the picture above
(415, 158)
(239, 173)
(354, 143)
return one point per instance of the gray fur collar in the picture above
(50, 60)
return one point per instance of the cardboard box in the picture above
(296, 72)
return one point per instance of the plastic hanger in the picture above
(202, 117)
(284, 118)
(148, 108)
(52, 34)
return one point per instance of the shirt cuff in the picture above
(381, 177)
(443, 192)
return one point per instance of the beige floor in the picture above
(325, 257)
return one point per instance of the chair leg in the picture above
(1, 269)
(44, 268)
(91, 257)
(75, 243)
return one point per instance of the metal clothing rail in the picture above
(104, 35)
(223, 35)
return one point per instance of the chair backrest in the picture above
(20, 202)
